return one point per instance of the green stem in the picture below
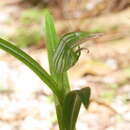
(59, 114)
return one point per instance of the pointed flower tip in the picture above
(68, 51)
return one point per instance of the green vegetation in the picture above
(97, 30)
(62, 55)
(127, 71)
(119, 118)
(112, 85)
(108, 95)
(27, 33)
(30, 16)
(24, 38)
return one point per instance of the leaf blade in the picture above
(30, 62)
(84, 95)
(50, 36)
(72, 104)
(52, 42)
(71, 107)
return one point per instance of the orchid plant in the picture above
(63, 53)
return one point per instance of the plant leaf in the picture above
(84, 95)
(52, 42)
(50, 36)
(31, 63)
(71, 106)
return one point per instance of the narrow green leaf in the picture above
(71, 107)
(84, 94)
(31, 63)
(50, 36)
(52, 42)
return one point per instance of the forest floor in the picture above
(26, 103)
